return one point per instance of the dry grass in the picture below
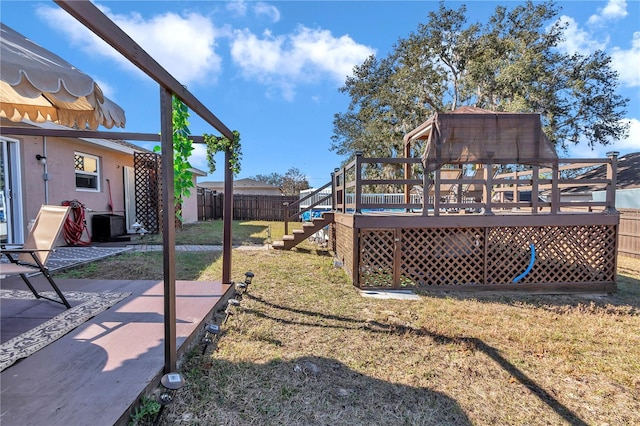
(305, 348)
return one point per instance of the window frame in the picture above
(95, 174)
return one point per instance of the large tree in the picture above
(291, 183)
(511, 63)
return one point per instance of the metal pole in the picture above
(227, 218)
(168, 231)
(45, 174)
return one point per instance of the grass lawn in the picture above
(305, 348)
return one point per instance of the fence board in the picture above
(245, 206)
(259, 207)
(629, 233)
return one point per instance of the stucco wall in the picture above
(190, 206)
(61, 176)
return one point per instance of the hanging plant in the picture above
(217, 144)
(182, 149)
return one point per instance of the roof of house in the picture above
(628, 174)
(239, 184)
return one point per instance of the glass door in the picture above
(11, 230)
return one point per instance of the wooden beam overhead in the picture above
(91, 134)
(92, 18)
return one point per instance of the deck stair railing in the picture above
(297, 208)
(318, 197)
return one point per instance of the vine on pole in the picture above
(182, 149)
(217, 144)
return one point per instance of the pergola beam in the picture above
(92, 18)
(88, 134)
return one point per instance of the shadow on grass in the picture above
(468, 342)
(317, 251)
(251, 234)
(308, 390)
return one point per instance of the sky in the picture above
(272, 69)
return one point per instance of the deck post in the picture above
(534, 189)
(358, 189)
(168, 231)
(344, 189)
(488, 187)
(285, 217)
(555, 191)
(335, 178)
(612, 176)
(425, 191)
(227, 218)
(333, 191)
(436, 192)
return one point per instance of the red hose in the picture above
(76, 225)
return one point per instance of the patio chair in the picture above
(32, 256)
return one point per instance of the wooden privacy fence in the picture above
(629, 233)
(245, 206)
(259, 207)
(209, 204)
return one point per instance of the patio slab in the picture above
(94, 374)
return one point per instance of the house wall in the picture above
(61, 176)
(625, 198)
(190, 205)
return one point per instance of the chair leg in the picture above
(62, 301)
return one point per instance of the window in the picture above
(87, 172)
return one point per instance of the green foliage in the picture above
(291, 183)
(144, 413)
(182, 149)
(510, 63)
(217, 144)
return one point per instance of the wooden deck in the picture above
(97, 372)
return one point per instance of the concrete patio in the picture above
(97, 372)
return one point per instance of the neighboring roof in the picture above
(197, 172)
(38, 85)
(239, 184)
(628, 176)
(475, 135)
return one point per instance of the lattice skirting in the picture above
(410, 257)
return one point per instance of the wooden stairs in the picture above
(308, 229)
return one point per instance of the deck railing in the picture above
(314, 199)
(533, 189)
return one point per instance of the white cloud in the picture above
(578, 40)
(614, 10)
(305, 56)
(624, 146)
(336, 56)
(198, 158)
(267, 10)
(626, 62)
(183, 45)
(238, 7)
